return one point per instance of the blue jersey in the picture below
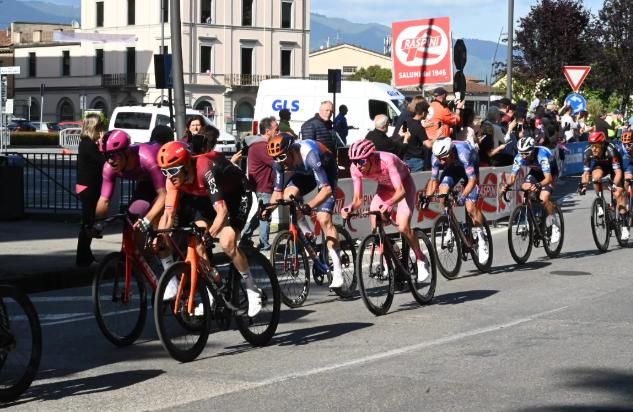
(626, 159)
(314, 158)
(465, 161)
(543, 161)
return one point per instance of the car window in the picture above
(133, 120)
(162, 120)
(378, 107)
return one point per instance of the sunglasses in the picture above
(525, 154)
(281, 158)
(171, 171)
(360, 162)
(113, 155)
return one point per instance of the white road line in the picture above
(87, 317)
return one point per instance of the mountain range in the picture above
(323, 31)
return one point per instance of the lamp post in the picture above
(510, 44)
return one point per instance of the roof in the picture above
(347, 45)
(472, 87)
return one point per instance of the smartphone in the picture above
(404, 127)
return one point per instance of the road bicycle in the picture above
(528, 226)
(183, 323)
(606, 219)
(383, 266)
(289, 256)
(20, 343)
(452, 241)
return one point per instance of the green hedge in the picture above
(34, 139)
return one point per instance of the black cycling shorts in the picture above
(194, 208)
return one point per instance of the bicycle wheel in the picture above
(20, 343)
(520, 234)
(625, 222)
(375, 280)
(422, 291)
(121, 320)
(553, 249)
(181, 333)
(599, 226)
(260, 329)
(477, 239)
(348, 263)
(447, 247)
(292, 269)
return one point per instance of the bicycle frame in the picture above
(527, 201)
(385, 248)
(449, 200)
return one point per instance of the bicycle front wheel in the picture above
(260, 329)
(447, 247)
(599, 225)
(520, 233)
(556, 222)
(482, 244)
(625, 222)
(182, 333)
(121, 318)
(421, 289)
(20, 343)
(292, 269)
(375, 280)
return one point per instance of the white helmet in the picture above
(442, 147)
(525, 144)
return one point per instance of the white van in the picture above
(139, 121)
(363, 99)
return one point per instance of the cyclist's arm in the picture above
(396, 183)
(158, 206)
(547, 171)
(431, 187)
(518, 162)
(313, 162)
(107, 187)
(208, 176)
(357, 184)
(617, 166)
(171, 198)
(469, 167)
(586, 167)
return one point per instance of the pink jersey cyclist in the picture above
(390, 172)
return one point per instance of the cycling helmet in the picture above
(442, 147)
(114, 141)
(361, 149)
(279, 144)
(173, 154)
(525, 144)
(596, 137)
(627, 137)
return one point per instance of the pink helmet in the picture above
(113, 141)
(361, 149)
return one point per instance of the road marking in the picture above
(47, 299)
(86, 317)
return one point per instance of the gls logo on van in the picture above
(283, 104)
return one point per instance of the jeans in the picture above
(416, 164)
(264, 226)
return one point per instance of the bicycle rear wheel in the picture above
(292, 269)
(348, 264)
(476, 236)
(181, 333)
(520, 233)
(120, 319)
(600, 229)
(375, 280)
(424, 290)
(447, 247)
(553, 249)
(20, 343)
(625, 222)
(260, 329)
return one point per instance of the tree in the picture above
(373, 74)
(554, 33)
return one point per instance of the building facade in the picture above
(228, 47)
(346, 57)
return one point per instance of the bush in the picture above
(34, 139)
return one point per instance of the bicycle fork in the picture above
(192, 259)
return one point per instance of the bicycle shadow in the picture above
(455, 298)
(85, 386)
(577, 254)
(531, 265)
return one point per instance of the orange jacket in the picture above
(440, 114)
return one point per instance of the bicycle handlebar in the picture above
(378, 214)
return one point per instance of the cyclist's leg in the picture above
(403, 220)
(596, 174)
(298, 186)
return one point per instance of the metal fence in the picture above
(69, 138)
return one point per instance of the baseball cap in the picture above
(440, 91)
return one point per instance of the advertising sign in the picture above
(422, 52)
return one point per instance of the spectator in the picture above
(194, 125)
(603, 126)
(406, 114)
(284, 122)
(507, 112)
(441, 115)
(468, 132)
(162, 134)
(340, 123)
(88, 187)
(319, 127)
(567, 123)
(415, 152)
(487, 149)
(205, 140)
(382, 142)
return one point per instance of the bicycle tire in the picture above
(293, 285)
(596, 222)
(12, 390)
(455, 244)
(474, 252)
(414, 286)
(367, 291)
(518, 217)
(114, 264)
(559, 220)
(348, 264)
(627, 221)
(166, 319)
(260, 329)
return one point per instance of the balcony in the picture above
(236, 79)
(138, 80)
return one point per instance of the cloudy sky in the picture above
(478, 19)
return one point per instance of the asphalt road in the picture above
(550, 335)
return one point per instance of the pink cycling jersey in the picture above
(145, 170)
(389, 173)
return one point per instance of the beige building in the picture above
(346, 57)
(228, 47)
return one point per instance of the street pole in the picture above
(2, 131)
(177, 73)
(41, 102)
(162, 42)
(510, 44)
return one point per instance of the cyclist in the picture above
(458, 161)
(311, 165)
(543, 173)
(602, 158)
(211, 191)
(395, 187)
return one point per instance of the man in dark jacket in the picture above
(416, 152)
(382, 142)
(319, 128)
(340, 123)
